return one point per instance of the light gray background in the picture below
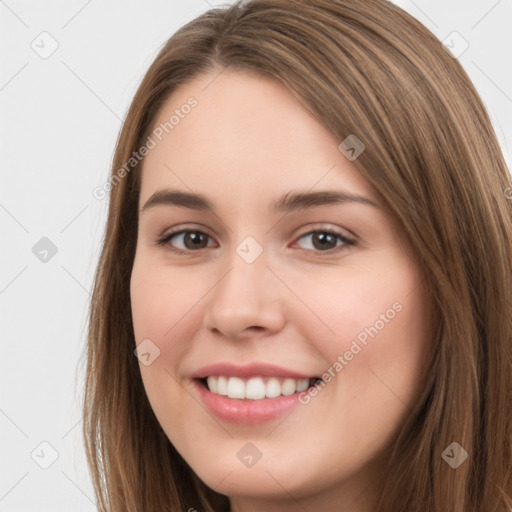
(60, 118)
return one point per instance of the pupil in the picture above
(194, 237)
(322, 237)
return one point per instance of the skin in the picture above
(247, 142)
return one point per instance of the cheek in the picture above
(163, 312)
(377, 338)
(380, 300)
(167, 309)
(162, 300)
(157, 306)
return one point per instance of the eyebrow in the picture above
(289, 202)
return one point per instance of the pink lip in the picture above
(245, 412)
(247, 371)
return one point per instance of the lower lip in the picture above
(246, 412)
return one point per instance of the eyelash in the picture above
(164, 241)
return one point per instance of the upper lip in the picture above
(245, 371)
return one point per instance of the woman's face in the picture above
(288, 271)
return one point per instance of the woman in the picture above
(309, 252)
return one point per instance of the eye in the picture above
(324, 240)
(192, 239)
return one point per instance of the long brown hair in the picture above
(367, 68)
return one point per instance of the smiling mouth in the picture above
(256, 388)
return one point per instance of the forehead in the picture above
(245, 134)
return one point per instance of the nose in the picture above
(246, 302)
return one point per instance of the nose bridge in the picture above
(244, 296)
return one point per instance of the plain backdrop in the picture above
(60, 117)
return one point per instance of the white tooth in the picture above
(273, 388)
(288, 387)
(255, 389)
(222, 386)
(302, 384)
(236, 388)
(212, 384)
